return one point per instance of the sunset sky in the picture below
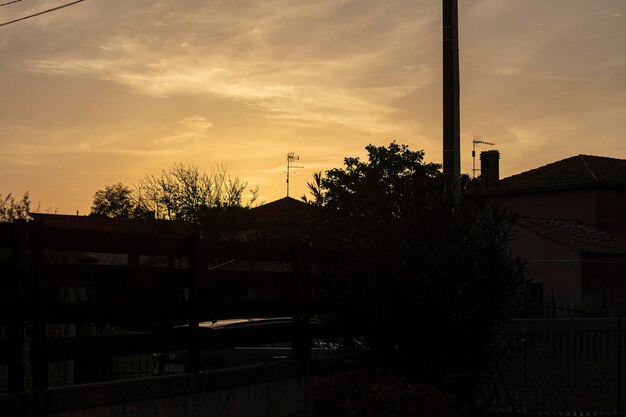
(107, 91)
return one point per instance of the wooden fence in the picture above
(36, 269)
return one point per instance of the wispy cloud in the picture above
(118, 86)
(260, 60)
(196, 122)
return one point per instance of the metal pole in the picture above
(451, 90)
(473, 159)
(288, 176)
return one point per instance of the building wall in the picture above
(603, 283)
(598, 285)
(557, 267)
(579, 205)
(611, 210)
(601, 208)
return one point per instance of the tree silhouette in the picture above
(183, 192)
(208, 202)
(114, 201)
(431, 280)
(12, 209)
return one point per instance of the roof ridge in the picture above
(586, 165)
(539, 167)
(602, 157)
(577, 171)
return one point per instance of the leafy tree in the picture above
(184, 193)
(316, 189)
(209, 203)
(431, 280)
(114, 201)
(12, 209)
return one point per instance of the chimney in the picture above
(489, 169)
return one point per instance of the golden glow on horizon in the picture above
(110, 91)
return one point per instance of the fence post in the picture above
(296, 342)
(302, 318)
(38, 349)
(619, 365)
(16, 361)
(38, 345)
(195, 263)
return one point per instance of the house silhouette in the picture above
(572, 230)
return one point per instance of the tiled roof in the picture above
(285, 210)
(576, 235)
(573, 172)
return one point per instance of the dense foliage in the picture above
(431, 279)
(114, 201)
(376, 394)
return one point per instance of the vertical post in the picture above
(195, 265)
(305, 296)
(288, 167)
(451, 105)
(16, 361)
(296, 344)
(302, 317)
(473, 159)
(39, 357)
(619, 365)
(134, 259)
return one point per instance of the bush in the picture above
(375, 394)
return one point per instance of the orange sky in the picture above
(111, 90)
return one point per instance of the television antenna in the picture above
(478, 140)
(291, 157)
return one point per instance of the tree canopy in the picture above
(209, 202)
(432, 280)
(183, 191)
(113, 201)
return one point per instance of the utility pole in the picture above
(451, 90)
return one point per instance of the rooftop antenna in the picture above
(291, 157)
(478, 140)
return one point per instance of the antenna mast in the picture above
(477, 141)
(291, 157)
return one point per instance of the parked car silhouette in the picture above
(244, 354)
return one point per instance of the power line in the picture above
(40, 13)
(10, 2)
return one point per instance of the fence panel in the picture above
(563, 367)
(90, 295)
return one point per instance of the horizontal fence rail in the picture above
(77, 297)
